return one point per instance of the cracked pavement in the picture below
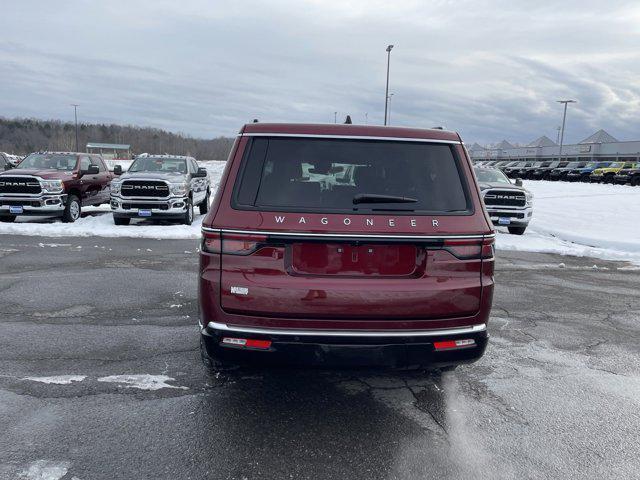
(100, 378)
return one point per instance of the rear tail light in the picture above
(231, 244)
(470, 249)
(450, 344)
(247, 343)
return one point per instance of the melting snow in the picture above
(45, 470)
(143, 381)
(58, 379)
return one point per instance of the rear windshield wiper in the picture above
(373, 198)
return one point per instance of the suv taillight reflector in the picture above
(247, 343)
(449, 344)
(231, 244)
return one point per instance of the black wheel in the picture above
(204, 205)
(121, 220)
(635, 181)
(585, 178)
(8, 218)
(517, 230)
(187, 218)
(72, 210)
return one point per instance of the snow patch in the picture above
(143, 381)
(580, 219)
(45, 470)
(57, 379)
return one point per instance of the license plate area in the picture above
(345, 259)
(504, 221)
(144, 213)
(15, 209)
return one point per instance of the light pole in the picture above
(558, 135)
(335, 117)
(366, 118)
(564, 118)
(386, 92)
(390, 97)
(75, 114)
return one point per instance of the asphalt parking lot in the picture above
(100, 378)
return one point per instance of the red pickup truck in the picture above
(54, 184)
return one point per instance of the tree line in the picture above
(25, 135)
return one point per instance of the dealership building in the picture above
(600, 146)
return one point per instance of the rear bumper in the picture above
(391, 349)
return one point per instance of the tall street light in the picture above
(390, 98)
(564, 118)
(75, 114)
(386, 92)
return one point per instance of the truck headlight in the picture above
(529, 197)
(179, 189)
(115, 187)
(51, 186)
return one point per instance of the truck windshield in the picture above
(165, 165)
(49, 161)
(487, 175)
(335, 175)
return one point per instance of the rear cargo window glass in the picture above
(304, 174)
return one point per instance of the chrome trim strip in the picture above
(349, 137)
(349, 333)
(345, 235)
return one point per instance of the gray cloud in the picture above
(489, 69)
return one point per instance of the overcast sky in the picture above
(489, 69)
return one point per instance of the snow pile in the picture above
(581, 219)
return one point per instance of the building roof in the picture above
(476, 146)
(503, 145)
(542, 141)
(600, 137)
(112, 146)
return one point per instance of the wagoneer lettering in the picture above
(362, 245)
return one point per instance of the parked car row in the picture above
(576, 171)
(8, 160)
(62, 183)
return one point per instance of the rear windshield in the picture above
(335, 175)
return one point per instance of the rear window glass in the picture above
(326, 175)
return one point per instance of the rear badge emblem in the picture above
(239, 290)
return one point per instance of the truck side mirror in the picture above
(518, 182)
(117, 170)
(202, 172)
(91, 170)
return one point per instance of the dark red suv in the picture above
(346, 245)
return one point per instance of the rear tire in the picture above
(121, 220)
(517, 230)
(585, 179)
(72, 210)
(187, 218)
(607, 179)
(8, 218)
(635, 181)
(204, 205)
